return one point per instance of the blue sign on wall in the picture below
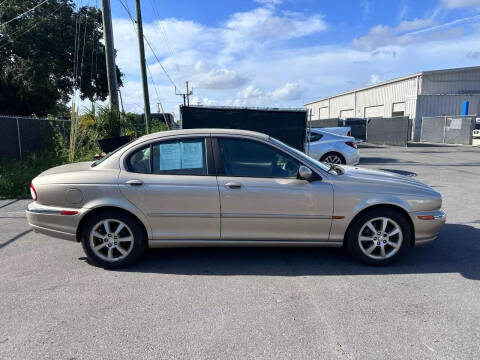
(465, 108)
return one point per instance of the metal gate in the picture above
(448, 129)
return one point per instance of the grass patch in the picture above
(15, 176)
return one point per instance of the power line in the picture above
(20, 32)
(125, 6)
(26, 12)
(164, 34)
(148, 43)
(159, 62)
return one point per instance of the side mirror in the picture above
(304, 172)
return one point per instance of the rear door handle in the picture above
(134, 182)
(233, 185)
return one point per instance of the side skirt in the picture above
(239, 243)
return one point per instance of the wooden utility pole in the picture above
(143, 67)
(186, 96)
(110, 55)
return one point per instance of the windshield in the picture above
(99, 161)
(302, 155)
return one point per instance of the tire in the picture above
(365, 245)
(124, 241)
(328, 157)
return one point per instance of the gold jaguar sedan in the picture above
(217, 187)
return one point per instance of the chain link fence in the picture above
(22, 135)
(448, 129)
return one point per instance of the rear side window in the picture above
(315, 137)
(139, 161)
(180, 157)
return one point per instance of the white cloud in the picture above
(382, 35)
(374, 79)
(252, 95)
(289, 91)
(269, 2)
(264, 25)
(217, 78)
(454, 4)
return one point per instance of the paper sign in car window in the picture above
(192, 155)
(170, 156)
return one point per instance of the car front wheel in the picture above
(113, 239)
(379, 237)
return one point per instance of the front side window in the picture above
(249, 158)
(180, 157)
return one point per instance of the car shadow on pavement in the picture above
(384, 160)
(457, 250)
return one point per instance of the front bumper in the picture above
(427, 225)
(49, 220)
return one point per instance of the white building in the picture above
(428, 93)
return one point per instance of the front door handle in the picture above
(233, 185)
(134, 182)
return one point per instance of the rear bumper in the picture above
(352, 157)
(49, 220)
(427, 230)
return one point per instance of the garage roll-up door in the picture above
(324, 112)
(374, 111)
(347, 114)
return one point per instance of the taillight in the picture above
(349, 133)
(351, 144)
(33, 192)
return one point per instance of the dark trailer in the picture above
(287, 125)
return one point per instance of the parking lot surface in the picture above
(254, 303)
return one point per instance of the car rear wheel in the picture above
(113, 239)
(333, 158)
(379, 237)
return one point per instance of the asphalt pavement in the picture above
(254, 303)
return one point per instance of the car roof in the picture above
(161, 134)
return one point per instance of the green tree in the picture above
(47, 53)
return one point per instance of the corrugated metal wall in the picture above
(443, 105)
(340, 103)
(354, 105)
(452, 82)
(319, 109)
(386, 95)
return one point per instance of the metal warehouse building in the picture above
(428, 93)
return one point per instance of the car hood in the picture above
(385, 180)
(80, 166)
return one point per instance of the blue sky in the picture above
(283, 53)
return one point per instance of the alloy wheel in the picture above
(332, 159)
(380, 238)
(111, 240)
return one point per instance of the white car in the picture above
(331, 148)
(339, 130)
